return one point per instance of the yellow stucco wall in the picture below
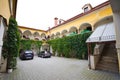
(4, 9)
(91, 18)
(31, 30)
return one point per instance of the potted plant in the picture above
(10, 66)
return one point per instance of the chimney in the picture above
(55, 21)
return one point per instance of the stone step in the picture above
(110, 54)
(109, 59)
(107, 67)
(108, 64)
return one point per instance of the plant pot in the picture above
(10, 70)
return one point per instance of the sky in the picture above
(40, 14)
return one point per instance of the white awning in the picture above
(103, 33)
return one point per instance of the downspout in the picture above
(13, 7)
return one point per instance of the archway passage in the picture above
(43, 36)
(89, 28)
(103, 21)
(85, 27)
(36, 35)
(58, 35)
(27, 34)
(52, 36)
(64, 33)
(73, 29)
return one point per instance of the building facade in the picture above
(89, 19)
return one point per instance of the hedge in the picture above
(71, 46)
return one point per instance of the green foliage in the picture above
(4, 49)
(27, 44)
(71, 46)
(13, 38)
(11, 43)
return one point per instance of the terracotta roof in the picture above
(82, 14)
(31, 28)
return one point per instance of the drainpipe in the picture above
(116, 18)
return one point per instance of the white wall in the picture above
(1, 36)
(3, 62)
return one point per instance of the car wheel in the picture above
(32, 58)
(21, 58)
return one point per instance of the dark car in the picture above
(44, 54)
(27, 54)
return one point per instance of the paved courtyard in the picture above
(57, 68)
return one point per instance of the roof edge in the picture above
(32, 28)
(82, 14)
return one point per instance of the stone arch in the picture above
(64, 33)
(73, 29)
(52, 36)
(104, 20)
(58, 35)
(43, 36)
(27, 34)
(84, 26)
(36, 35)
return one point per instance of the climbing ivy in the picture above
(11, 43)
(71, 46)
(27, 44)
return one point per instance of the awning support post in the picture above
(89, 53)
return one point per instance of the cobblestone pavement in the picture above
(57, 68)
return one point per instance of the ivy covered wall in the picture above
(30, 45)
(71, 46)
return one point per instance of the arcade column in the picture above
(116, 18)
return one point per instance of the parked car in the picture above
(27, 54)
(45, 54)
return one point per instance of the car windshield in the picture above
(28, 51)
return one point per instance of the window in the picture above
(86, 9)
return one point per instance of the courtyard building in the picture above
(92, 18)
(96, 19)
